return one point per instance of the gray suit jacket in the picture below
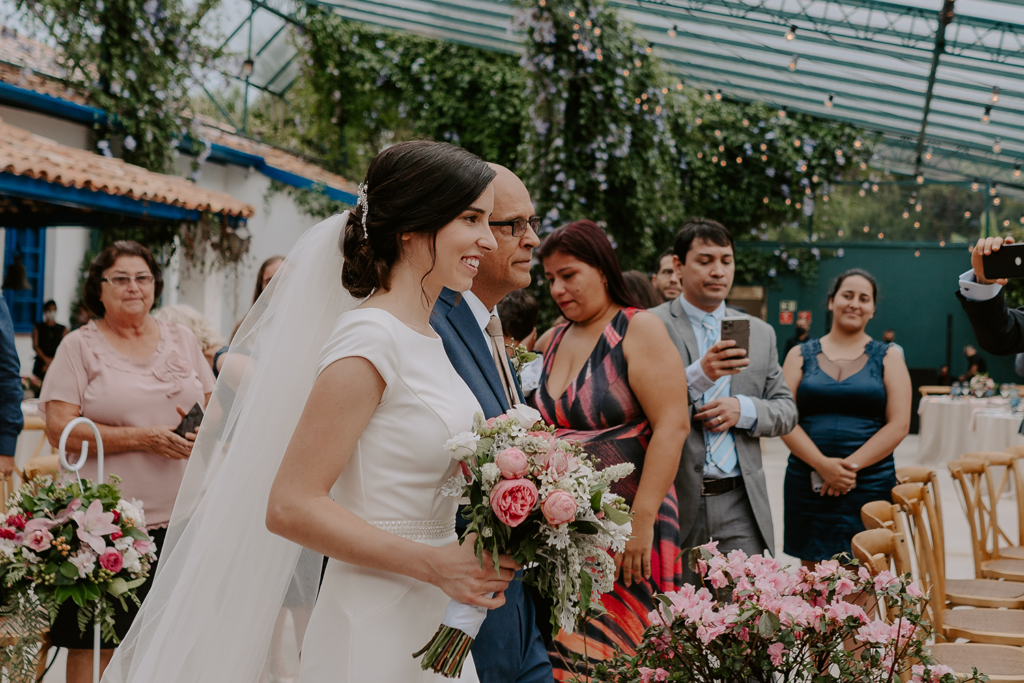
(762, 381)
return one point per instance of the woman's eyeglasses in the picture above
(121, 281)
(519, 225)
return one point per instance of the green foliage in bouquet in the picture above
(76, 541)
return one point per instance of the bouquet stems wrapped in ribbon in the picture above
(543, 501)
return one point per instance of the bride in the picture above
(328, 430)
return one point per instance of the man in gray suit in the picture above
(735, 400)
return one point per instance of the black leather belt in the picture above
(716, 487)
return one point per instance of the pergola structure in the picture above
(941, 80)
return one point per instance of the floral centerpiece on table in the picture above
(543, 501)
(981, 384)
(782, 626)
(31, 386)
(75, 541)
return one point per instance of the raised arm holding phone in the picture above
(998, 328)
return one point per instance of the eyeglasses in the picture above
(121, 281)
(519, 225)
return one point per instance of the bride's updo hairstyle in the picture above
(416, 186)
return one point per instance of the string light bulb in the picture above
(928, 154)
(920, 179)
(791, 33)
(782, 113)
(997, 145)
(906, 214)
(986, 115)
(830, 100)
(967, 214)
(718, 95)
(974, 185)
(992, 190)
(997, 201)
(1016, 170)
(995, 93)
(793, 62)
(672, 31)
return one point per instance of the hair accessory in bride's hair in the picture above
(366, 207)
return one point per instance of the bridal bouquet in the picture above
(543, 501)
(75, 541)
(781, 625)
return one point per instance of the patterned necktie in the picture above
(720, 447)
(501, 359)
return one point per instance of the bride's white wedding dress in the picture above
(367, 623)
(226, 588)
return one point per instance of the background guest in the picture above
(889, 337)
(518, 312)
(975, 363)
(82, 316)
(738, 398)
(11, 418)
(801, 335)
(665, 279)
(613, 382)
(209, 341)
(135, 377)
(946, 380)
(46, 337)
(266, 273)
(643, 291)
(853, 394)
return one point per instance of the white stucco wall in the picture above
(65, 132)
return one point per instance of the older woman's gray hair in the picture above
(205, 334)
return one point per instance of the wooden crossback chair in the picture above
(1002, 475)
(934, 390)
(880, 549)
(928, 477)
(977, 624)
(970, 476)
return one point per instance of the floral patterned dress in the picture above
(599, 410)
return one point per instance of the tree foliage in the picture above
(135, 60)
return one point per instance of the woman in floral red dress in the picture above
(614, 381)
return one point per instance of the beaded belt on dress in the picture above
(418, 530)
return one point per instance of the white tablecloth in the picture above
(952, 427)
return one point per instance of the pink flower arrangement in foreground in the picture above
(755, 620)
(74, 541)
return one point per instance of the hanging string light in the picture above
(1016, 170)
(928, 154)
(793, 62)
(782, 113)
(791, 33)
(985, 116)
(995, 93)
(997, 146)
(906, 214)
(718, 94)
(829, 101)
(672, 31)
(974, 185)
(992, 190)
(920, 179)
(997, 201)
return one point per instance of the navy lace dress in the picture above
(841, 405)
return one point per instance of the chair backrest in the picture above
(878, 514)
(915, 501)
(6, 488)
(882, 549)
(49, 464)
(928, 477)
(1016, 453)
(933, 390)
(999, 476)
(969, 476)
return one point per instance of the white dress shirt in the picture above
(974, 290)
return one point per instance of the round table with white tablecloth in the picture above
(951, 427)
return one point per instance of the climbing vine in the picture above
(135, 60)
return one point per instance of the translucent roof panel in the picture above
(864, 61)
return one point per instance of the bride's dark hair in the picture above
(416, 186)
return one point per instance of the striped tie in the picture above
(720, 447)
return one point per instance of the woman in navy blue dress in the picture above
(854, 395)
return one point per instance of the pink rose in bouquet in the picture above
(557, 460)
(512, 500)
(111, 560)
(512, 462)
(559, 507)
(38, 540)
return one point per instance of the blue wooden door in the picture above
(29, 245)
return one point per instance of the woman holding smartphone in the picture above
(853, 394)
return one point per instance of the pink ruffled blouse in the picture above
(122, 391)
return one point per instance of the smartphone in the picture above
(191, 422)
(737, 329)
(1008, 262)
(816, 481)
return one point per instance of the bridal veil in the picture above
(224, 582)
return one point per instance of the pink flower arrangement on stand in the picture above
(75, 541)
(543, 501)
(753, 620)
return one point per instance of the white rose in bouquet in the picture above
(524, 415)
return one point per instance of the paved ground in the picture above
(959, 559)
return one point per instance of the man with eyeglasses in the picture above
(509, 647)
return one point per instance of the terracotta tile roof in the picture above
(26, 154)
(220, 134)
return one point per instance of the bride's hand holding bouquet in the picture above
(460, 574)
(534, 501)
